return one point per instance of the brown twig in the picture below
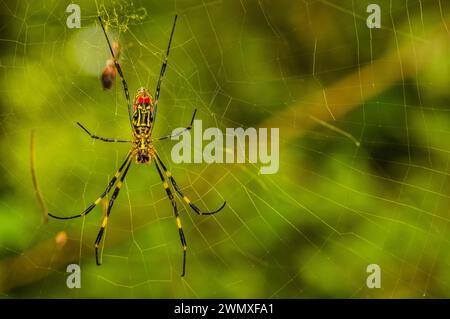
(34, 179)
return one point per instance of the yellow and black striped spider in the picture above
(142, 119)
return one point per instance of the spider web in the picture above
(364, 153)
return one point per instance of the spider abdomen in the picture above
(143, 109)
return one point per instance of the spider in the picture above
(142, 115)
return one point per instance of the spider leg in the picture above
(187, 128)
(185, 198)
(119, 70)
(108, 188)
(104, 139)
(163, 70)
(108, 211)
(177, 217)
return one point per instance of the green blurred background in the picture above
(312, 68)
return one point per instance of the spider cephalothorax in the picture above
(143, 147)
(142, 118)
